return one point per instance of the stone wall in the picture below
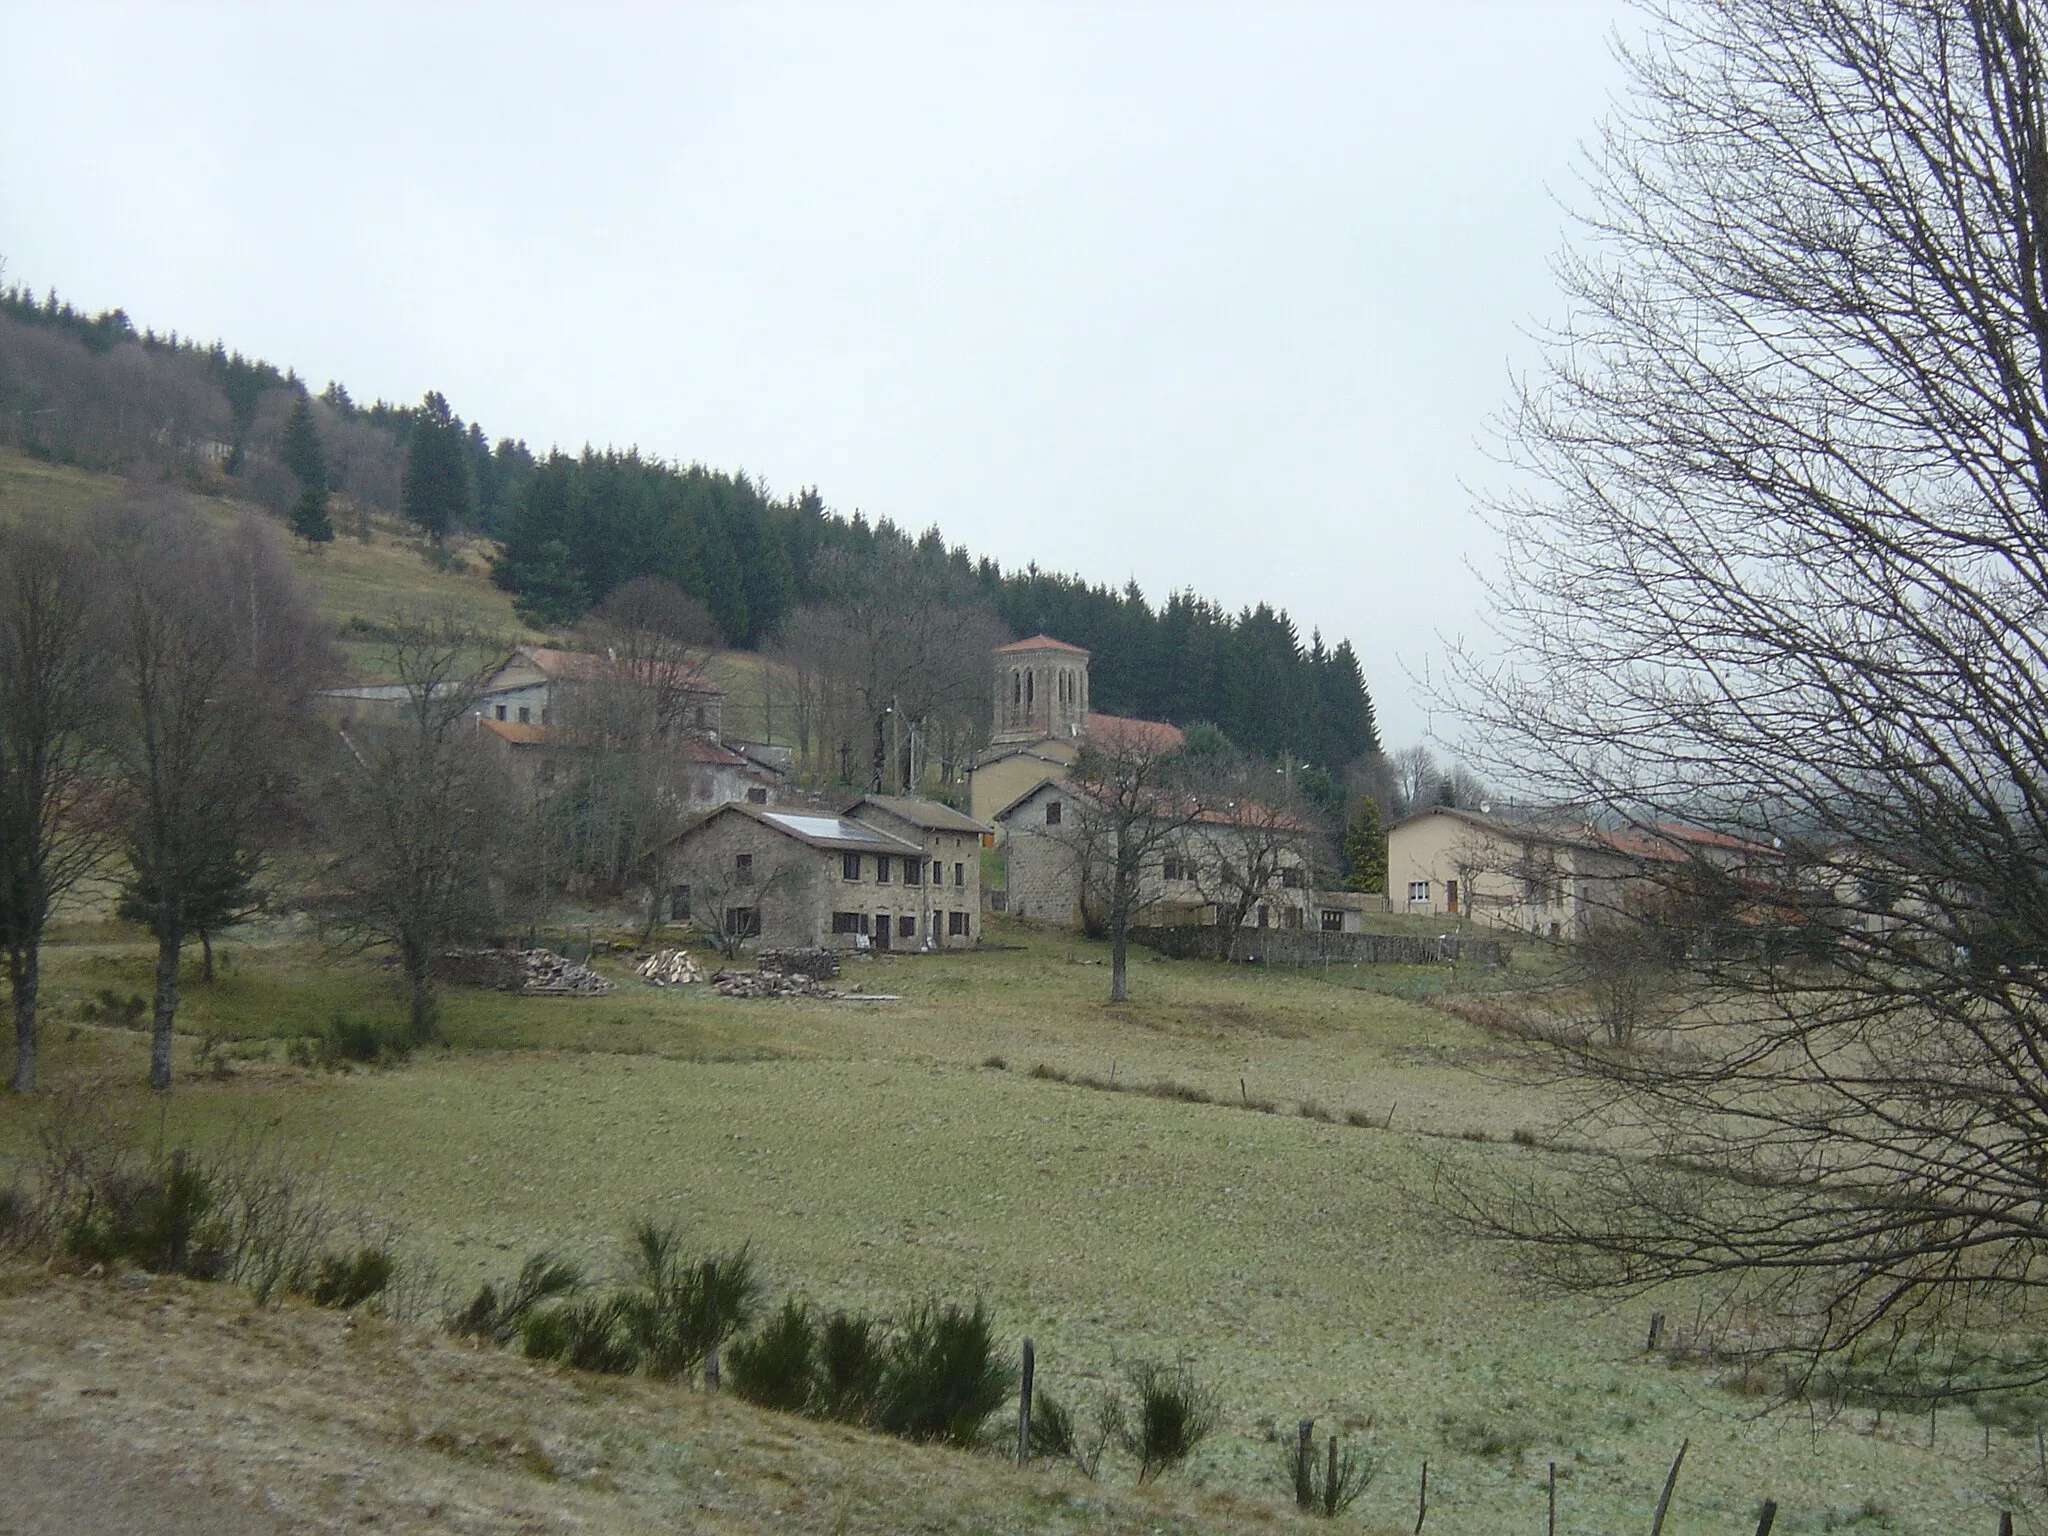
(1309, 947)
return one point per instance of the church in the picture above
(1040, 723)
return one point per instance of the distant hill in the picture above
(549, 535)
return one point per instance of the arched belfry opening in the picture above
(1041, 690)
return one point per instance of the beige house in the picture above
(1052, 845)
(1041, 722)
(889, 873)
(1555, 877)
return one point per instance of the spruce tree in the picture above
(436, 493)
(1365, 851)
(303, 457)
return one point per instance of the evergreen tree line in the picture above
(575, 528)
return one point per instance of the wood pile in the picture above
(820, 964)
(765, 984)
(548, 972)
(521, 970)
(668, 968)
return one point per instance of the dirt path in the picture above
(63, 1479)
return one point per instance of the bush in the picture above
(943, 1378)
(156, 1222)
(1326, 1484)
(364, 1042)
(679, 1314)
(778, 1367)
(500, 1317)
(851, 1365)
(342, 1282)
(1171, 1414)
(589, 1335)
(1056, 1432)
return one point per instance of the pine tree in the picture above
(1365, 851)
(303, 457)
(436, 493)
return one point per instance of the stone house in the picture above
(889, 873)
(1049, 848)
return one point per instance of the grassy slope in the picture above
(872, 1157)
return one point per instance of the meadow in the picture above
(874, 1153)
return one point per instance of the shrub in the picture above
(1326, 1484)
(157, 1222)
(500, 1317)
(342, 1282)
(589, 1335)
(851, 1365)
(678, 1313)
(1056, 1432)
(359, 1041)
(943, 1377)
(1171, 1413)
(778, 1367)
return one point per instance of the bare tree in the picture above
(1133, 803)
(215, 651)
(52, 694)
(901, 652)
(730, 893)
(655, 635)
(419, 811)
(1253, 835)
(1785, 571)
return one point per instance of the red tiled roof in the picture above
(517, 734)
(695, 749)
(1120, 733)
(1040, 643)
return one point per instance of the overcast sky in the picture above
(1216, 297)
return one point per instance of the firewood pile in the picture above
(765, 984)
(820, 964)
(522, 970)
(668, 968)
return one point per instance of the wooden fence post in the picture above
(1552, 1527)
(1304, 1464)
(2005, 1522)
(1767, 1517)
(1422, 1502)
(1670, 1482)
(1024, 1405)
(1656, 1333)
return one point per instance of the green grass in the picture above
(873, 1158)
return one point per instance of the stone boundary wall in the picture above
(1311, 946)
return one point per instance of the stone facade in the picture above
(812, 878)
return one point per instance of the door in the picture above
(1451, 897)
(882, 927)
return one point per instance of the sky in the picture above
(1221, 297)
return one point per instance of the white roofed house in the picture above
(537, 685)
(878, 875)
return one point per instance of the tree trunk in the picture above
(1119, 945)
(206, 957)
(23, 976)
(419, 981)
(170, 945)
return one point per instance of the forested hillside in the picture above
(95, 391)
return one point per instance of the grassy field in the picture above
(874, 1153)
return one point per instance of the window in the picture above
(743, 922)
(1029, 679)
(1333, 919)
(1052, 813)
(1418, 890)
(849, 869)
(1178, 868)
(1292, 878)
(525, 715)
(501, 711)
(743, 863)
(679, 904)
(959, 874)
(956, 925)
(913, 871)
(1291, 917)
(906, 927)
(881, 869)
(938, 873)
(757, 796)
(849, 922)
(699, 717)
